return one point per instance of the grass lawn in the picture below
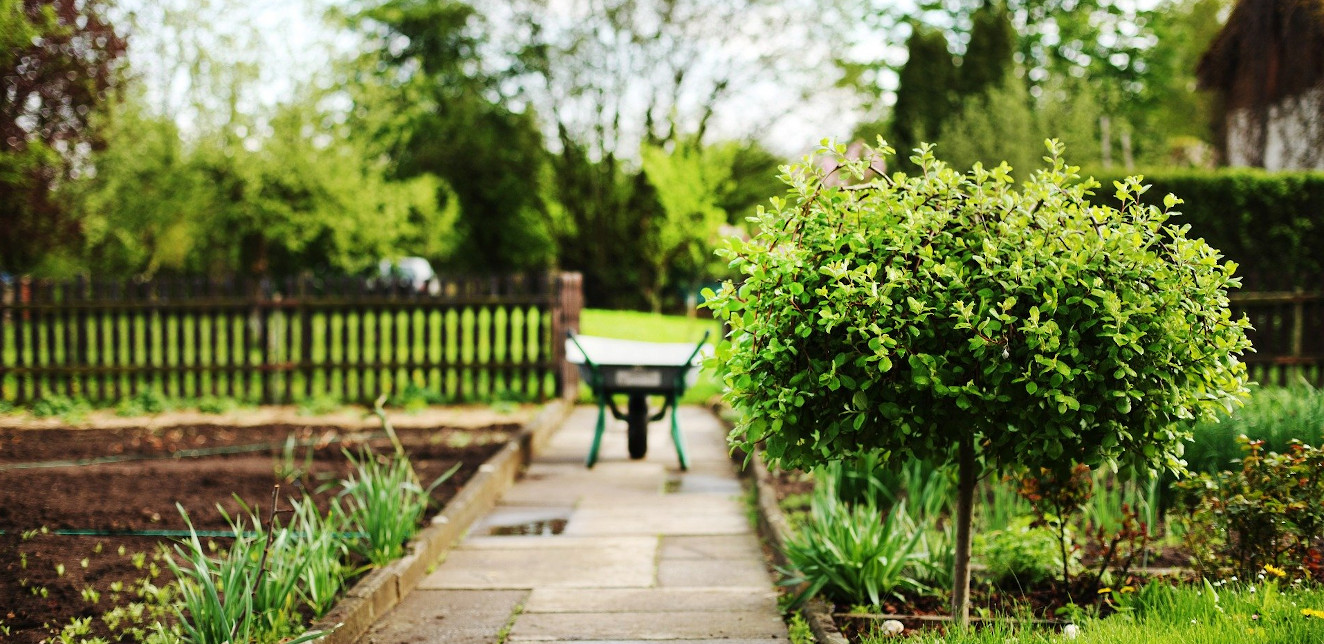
(633, 325)
(1261, 611)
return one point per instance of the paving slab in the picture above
(531, 627)
(713, 573)
(490, 568)
(557, 542)
(648, 552)
(446, 617)
(645, 600)
(711, 547)
(633, 523)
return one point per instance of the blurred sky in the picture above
(284, 44)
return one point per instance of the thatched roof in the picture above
(1269, 50)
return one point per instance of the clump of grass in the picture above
(323, 552)
(319, 405)
(249, 593)
(852, 552)
(144, 403)
(385, 501)
(1274, 415)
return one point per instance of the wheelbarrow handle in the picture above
(587, 360)
(697, 348)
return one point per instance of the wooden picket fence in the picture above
(1288, 335)
(474, 339)
(466, 339)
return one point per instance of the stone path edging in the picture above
(383, 588)
(776, 529)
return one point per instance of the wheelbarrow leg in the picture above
(597, 432)
(675, 433)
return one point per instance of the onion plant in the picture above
(215, 604)
(322, 549)
(385, 502)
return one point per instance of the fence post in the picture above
(568, 299)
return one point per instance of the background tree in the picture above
(689, 182)
(989, 58)
(59, 62)
(1170, 105)
(955, 318)
(613, 76)
(141, 210)
(925, 95)
(432, 103)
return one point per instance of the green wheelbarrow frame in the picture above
(637, 381)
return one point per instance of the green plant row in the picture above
(276, 576)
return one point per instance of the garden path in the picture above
(645, 552)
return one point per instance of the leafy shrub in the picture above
(71, 409)
(319, 404)
(852, 552)
(1056, 496)
(1267, 513)
(416, 397)
(956, 316)
(1021, 554)
(217, 405)
(144, 403)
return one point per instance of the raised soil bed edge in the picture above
(382, 589)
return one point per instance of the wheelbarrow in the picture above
(637, 370)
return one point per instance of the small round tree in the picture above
(956, 318)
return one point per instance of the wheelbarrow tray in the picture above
(638, 369)
(625, 366)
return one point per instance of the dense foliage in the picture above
(1267, 222)
(59, 61)
(907, 312)
(1267, 513)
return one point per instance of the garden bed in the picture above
(1271, 604)
(68, 496)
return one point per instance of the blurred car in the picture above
(413, 274)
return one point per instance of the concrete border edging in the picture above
(776, 529)
(383, 588)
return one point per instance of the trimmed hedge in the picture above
(1270, 223)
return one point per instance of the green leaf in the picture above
(860, 400)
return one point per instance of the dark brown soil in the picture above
(44, 575)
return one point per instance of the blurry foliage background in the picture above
(620, 138)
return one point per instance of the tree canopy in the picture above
(952, 316)
(59, 62)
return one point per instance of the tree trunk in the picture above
(965, 497)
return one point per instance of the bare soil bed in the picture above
(105, 481)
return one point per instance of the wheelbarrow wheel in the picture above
(637, 422)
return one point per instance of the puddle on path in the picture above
(541, 528)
